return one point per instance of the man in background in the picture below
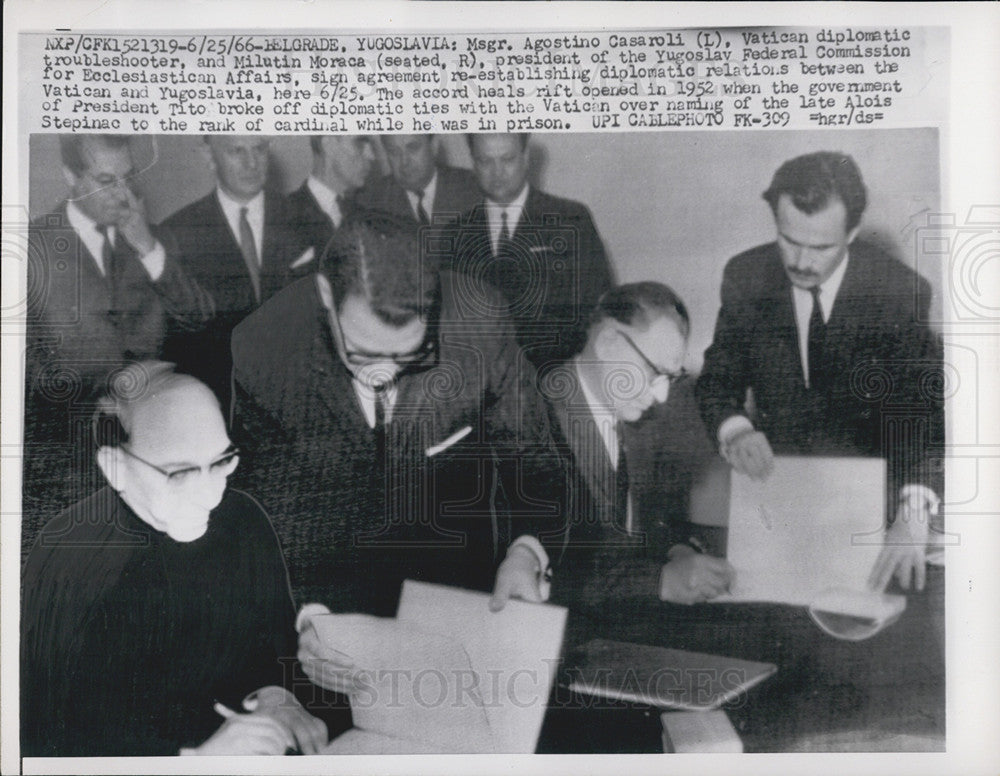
(239, 244)
(340, 166)
(542, 252)
(104, 289)
(419, 187)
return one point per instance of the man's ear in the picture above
(111, 462)
(71, 179)
(605, 344)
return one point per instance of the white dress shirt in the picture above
(93, 240)
(255, 217)
(513, 211)
(326, 198)
(430, 191)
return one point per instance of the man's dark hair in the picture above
(813, 180)
(378, 256)
(522, 136)
(73, 152)
(639, 304)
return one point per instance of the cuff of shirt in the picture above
(307, 611)
(731, 426)
(927, 496)
(545, 575)
(154, 261)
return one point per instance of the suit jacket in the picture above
(553, 276)
(81, 326)
(884, 397)
(354, 525)
(456, 193)
(311, 222)
(667, 453)
(211, 253)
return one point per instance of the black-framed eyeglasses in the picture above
(222, 466)
(421, 355)
(659, 375)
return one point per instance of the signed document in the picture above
(814, 526)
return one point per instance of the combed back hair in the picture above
(377, 256)
(125, 390)
(73, 152)
(814, 180)
(639, 304)
(522, 136)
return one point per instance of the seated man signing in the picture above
(158, 605)
(634, 455)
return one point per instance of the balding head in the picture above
(163, 445)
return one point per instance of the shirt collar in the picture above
(89, 231)
(604, 416)
(429, 192)
(326, 198)
(232, 208)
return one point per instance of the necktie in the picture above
(622, 516)
(107, 252)
(113, 265)
(381, 405)
(503, 241)
(248, 247)
(422, 216)
(817, 338)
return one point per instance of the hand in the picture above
(904, 551)
(284, 708)
(749, 452)
(326, 666)
(691, 578)
(133, 225)
(247, 734)
(517, 577)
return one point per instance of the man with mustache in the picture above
(827, 334)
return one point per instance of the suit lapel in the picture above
(587, 446)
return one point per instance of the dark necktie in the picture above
(621, 482)
(248, 247)
(113, 261)
(817, 340)
(503, 241)
(422, 216)
(381, 391)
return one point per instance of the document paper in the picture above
(813, 526)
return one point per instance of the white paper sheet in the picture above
(814, 525)
(513, 652)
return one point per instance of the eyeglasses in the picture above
(220, 467)
(363, 358)
(661, 376)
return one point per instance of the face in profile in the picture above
(172, 472)
(411, 158)
(348, 160)
(501, 166)
(240, 164)
(101, 189)
(640, 364)
(812, 245)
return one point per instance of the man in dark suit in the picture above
(388, 436)
(541, 251)
(630, 426)
(827, 334)
(104, 289)
(419, 188)
(341, 165)
(238, 242)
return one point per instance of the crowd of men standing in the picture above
(432, 374)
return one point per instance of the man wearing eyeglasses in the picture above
(103, 288)
(157, 617)
(631, 428)
(389, 435)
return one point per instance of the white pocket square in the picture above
(307, 255)
(539, 248)
(441, 446)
